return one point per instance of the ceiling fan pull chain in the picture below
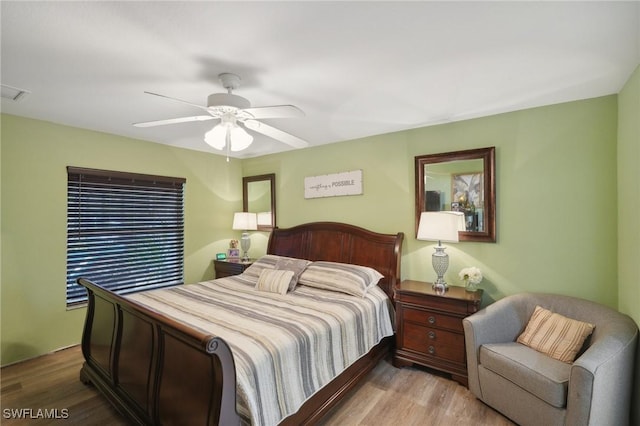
(228, 142)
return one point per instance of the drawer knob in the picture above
(431, 350)
(432, 335)
(432, 320)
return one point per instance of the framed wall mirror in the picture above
(460, 181)
(259, 196)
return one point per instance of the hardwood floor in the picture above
(389, 396)
(52, 382)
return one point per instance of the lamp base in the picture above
(440, 287)
(440, 262)
(245, 244)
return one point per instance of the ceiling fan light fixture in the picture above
(239, 139)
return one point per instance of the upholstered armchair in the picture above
(532, 388)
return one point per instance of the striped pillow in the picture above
(265, 262)
(274, 281)
(273, 261)
(342, 277)
(555, 335)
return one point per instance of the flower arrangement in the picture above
(471, 277)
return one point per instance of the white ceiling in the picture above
(356, 68)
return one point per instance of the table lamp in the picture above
(244, 221)
(440, 226)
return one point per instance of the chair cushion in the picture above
(538, 374)
(555, 335)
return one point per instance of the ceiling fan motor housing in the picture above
(227, 100)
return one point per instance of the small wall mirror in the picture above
(259, 196)
(460, 181)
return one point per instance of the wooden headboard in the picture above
(340, 242)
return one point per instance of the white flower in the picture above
(472, 274)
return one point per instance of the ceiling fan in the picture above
(234, 111)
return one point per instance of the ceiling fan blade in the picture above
(174, 121)
(277, 134)
(178, 100)
(275, 111)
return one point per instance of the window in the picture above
(125, 231)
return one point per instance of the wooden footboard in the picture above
(151, 367)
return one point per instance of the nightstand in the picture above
(429, 327)
(227, 267)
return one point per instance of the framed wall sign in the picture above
(333, 185)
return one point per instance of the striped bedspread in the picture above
(285, 347)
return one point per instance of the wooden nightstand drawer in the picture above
(434, 342)
(437, 302)
(429, 327)
(432, 319)
(225, 268)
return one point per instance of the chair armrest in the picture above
(603, 373)
(500, 322)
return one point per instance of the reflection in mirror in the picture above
(459, 181)
(259, 196)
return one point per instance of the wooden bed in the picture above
(156, 370)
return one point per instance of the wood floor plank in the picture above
(51, 382)
(388, 396)
(411, 396)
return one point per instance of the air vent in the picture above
(13, 93)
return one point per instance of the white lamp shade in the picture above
(264, 218)
(244, 221)
(239, 139)
(216, 137)
(441, 226)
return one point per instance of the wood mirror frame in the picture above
(487, 155)
(258, 202)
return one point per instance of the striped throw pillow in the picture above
(265, 262)
(341, 277)
(274, 281)
(555, 335)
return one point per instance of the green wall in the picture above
(34, 318)
(556, 206)
(556, 196)
(629, 205)
(629, 196)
